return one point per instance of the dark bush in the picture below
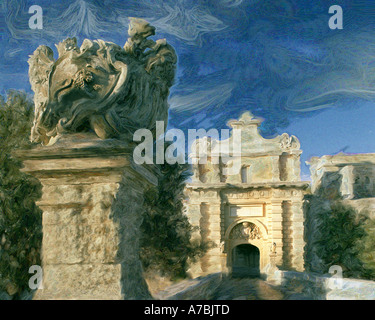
(166, 245)
(341, 230)
(20, 218)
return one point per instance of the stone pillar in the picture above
(210, 229)
(92, 211)
(277, 230)
(287, 235)
(214, 255)
(297, 235)
(194, 215)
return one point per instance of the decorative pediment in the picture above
(246, 119)
(252, 142)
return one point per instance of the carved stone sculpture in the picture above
(93, 191)
(245, 230)
(289, 142)
(101, 86)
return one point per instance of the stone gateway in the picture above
(254, 218)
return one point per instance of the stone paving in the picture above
(217, 287)
(247, 289)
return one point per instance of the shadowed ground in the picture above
(218, 287)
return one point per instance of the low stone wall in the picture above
(325, 287)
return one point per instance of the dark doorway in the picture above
(245, 261)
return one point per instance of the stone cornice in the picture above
(276, 184)
(79, 145)
(79, 153)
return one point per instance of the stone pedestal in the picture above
(92, 206)
(272, 271)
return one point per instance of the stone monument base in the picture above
(92, 206)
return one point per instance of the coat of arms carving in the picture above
(245, 230)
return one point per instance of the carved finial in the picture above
(247, 119)
(139, 30)
(289, 142)
(140, 27)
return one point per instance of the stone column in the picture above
(92, 211)
(214, 255)
(287, 235)
(277, 230)
(194, 215)
(298, 234)
(210, 232)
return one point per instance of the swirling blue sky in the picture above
(277, 58)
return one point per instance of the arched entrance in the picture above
(245, 261)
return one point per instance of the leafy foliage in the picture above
(20, 219)
(340, 231)
(366, 249)
(166, 245)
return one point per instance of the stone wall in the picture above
(325, 287)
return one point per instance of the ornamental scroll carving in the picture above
(289, 142)
(102, 87)
(246, 231)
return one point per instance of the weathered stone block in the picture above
(81, 281)
(90, 231)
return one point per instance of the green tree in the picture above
(366, 249)
(20, 219)
(166, 243)
(340, 230)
